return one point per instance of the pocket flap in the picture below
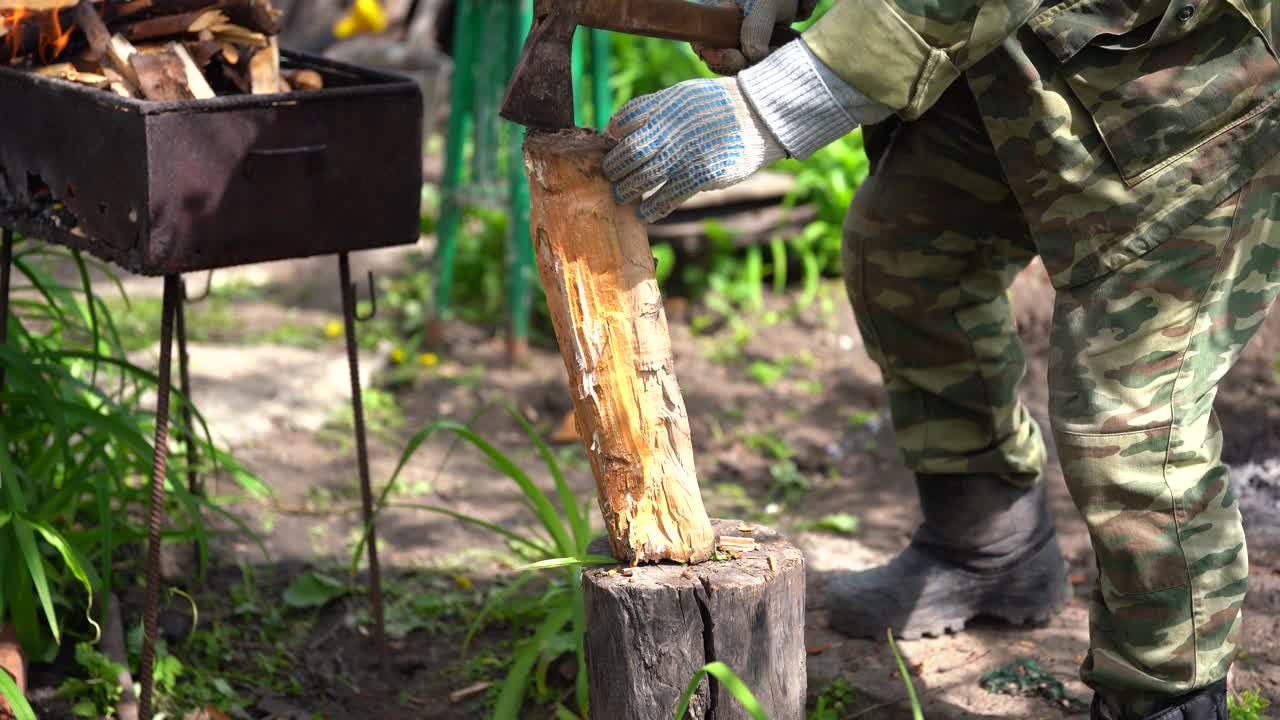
(1068, 27)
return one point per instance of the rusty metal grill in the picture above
(161, 188)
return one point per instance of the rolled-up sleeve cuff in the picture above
(870, 46)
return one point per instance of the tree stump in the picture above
(651, 628)
(602, 293)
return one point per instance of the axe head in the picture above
(540, 94)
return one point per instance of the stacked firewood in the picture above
(160, 50)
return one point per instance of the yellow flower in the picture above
(397, 356)
(429, 359)
(333, 328)
(463, 581)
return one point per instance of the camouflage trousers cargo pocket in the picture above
(1137, 357)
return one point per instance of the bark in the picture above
(651, 629)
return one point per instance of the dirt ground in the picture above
(821, 431)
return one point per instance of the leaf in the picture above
(731, 682)
(841, 523)
(511, 695)
(570, 562)
(314, 589)
(17, 702)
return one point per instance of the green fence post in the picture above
(461, 96)
(520, 269)
(601, 96)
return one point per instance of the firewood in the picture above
(161, 76)
(119, 52)
(264, 70)
(230, 53)
(236, 33)
(256, 15)
(180, 24)
(90, 23)
(203, 51)
(304, 79)
(196, 81)
(602, 293)
(120, 85)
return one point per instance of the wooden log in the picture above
(90, 23)
(650, 629)
(599, 277)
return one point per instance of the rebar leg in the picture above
(362, 449)
(184, 383)
(155, 518)
(6, 261)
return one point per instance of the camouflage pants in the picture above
(932, 244)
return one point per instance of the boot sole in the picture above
(1023, 602)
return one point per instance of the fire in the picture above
(52, 36)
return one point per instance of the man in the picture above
(1132, 145)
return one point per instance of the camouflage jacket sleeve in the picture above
(905, 53)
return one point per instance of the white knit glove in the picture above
(694, 136)
(760, 18)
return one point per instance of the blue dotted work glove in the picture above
(694, 136)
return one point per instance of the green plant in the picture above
(1248, 705)
(75, 456)
(1028, 677)
(838, 523)
(558, 625)
(835, 702)
(96, 693)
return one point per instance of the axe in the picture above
(540, 94)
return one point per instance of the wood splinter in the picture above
(602, 291)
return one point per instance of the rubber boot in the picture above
(1207, 703)
(985, 548)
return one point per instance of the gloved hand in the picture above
(760, 17)
(697, 135)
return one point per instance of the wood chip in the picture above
(773, 563)
(469, 691)
(743, 527)
(737, 543)
(818, 649)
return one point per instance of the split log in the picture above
(650, 629)
(602, 291)
(264, 70)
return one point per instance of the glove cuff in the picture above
(804, 103)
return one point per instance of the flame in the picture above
(52, 36)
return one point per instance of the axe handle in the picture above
(717, 27)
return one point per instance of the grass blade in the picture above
(731, 682)
(570, 562)
(578, 523)
(9, 691)
(916, 712)
(511, 697)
